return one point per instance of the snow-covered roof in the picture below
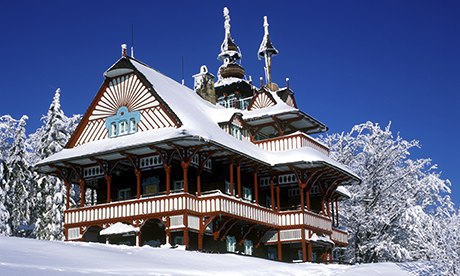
(199, 121)
(343, 191)
(118, 229)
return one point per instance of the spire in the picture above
(266, 51)
(229, 51)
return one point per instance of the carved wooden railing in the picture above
(292, 141)
(339, 236)
(215, 203)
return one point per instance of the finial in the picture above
(227, 20)
(265, 25)
(287, 83)
(123, 50)
(261, 82)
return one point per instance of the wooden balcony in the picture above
(207, 204)
(339, 236)
(292, 141)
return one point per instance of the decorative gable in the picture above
(124, 105)
(262, 100)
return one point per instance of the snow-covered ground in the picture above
(33, 257)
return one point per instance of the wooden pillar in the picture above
(272, 193)
(333, 213)
(328, 207)
(201, 234)
(138, 174)
(280, 248)
(304, 245)
(302, 200)
(322, 206)
(337, 212)
(231, 178)
(82, 192)
(238, 178)
(167, 231)
(108, 181)
(67, 195)
(256, 188)
(278, 204)
(198, 184)
(138, 238)
(310, 252)
(186, 240)
(168, 178)
(185, 165)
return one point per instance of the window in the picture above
(124, 194)
(122, 123)
(179, 240)
(236, 132)
(248, 247)
(123, 129)
(231, 243)
(247, 194)
(227, 187)
(132, 126)
(113, 130)
(178, 185)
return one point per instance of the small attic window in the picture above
(123, 123)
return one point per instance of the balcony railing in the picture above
(292, 141)
(339, 236)
(210, 203)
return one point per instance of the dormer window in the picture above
(123, 123)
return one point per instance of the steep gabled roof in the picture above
(198, 122)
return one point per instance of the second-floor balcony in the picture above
(292, 141)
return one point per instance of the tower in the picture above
(204, 85)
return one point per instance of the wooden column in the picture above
(308, 200)
(302, 200)
(304, 245)
(186, 240)
(333, 213)
(138, 238)
(328, 207)
(82, 192)
(138, 174)
(67, 194)
(280, 248)
(238, 178)
(256, 188)
(185, 165)
(272, 193)
(310, 252)
(200, 235)
(322, 206)
(167, 230)
(231, 178)
(108, 181)
(337, 212)
(278, 204)
(198, 184)
(168, 178)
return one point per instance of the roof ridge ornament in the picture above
(266, 51)
(124, 47)
(227, 21)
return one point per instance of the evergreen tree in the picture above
(50, 196)
(5, 229)
(18, 183)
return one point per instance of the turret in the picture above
(229, 53)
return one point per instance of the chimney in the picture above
(204, 85)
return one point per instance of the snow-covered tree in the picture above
(50, 197)
(18, 182)
(393, 214)
(5, 229)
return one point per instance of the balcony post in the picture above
(278, 205)
(167, 169)
(138, 174)
(231, 177)
(67, 194)
(304, 245)
(256, 187)
(279, 246)
(198, 184)
(238, 178)
(185, 165)
(337, 212)
(272, 193)
(82, 191)
(308, 200)
(108, 181)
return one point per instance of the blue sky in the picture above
(348, 61)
